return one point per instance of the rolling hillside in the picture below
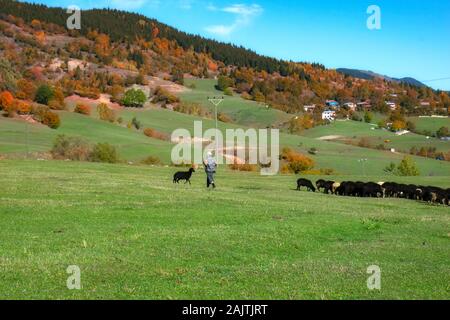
(133, 145)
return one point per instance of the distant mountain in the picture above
(370, 75)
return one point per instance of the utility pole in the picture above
(216, 101)
(26, 139)
(363, 163)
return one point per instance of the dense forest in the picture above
(126, 26)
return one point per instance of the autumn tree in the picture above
(105, 113)
(25, 89)
(6, 100)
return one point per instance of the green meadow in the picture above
(135, 235)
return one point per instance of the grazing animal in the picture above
(373, 190)
(327, 186)
(305, 183)
(334, 187)
(320, 184)
(180, 176)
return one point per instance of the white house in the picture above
(329, 115)
(309, 108)
(391, 105)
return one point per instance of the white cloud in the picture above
(185, 4)
(244, 15)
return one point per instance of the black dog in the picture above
(179, 176)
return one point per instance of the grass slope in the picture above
(131, 145)
(356, 130)
(243, 112)
(136, 236)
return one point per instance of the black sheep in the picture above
(327, 186)
(179, 176)
(305, 183)
(372, 189)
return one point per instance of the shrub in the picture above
(22, 107)
(442, 132)
(164, 97)
(224, 82)
(105, 113)
(368, 117)
(152, 133)
(224, 118)
(54, 104)
(136, 123)
(72, 148)
(82, 109)
(151, 161)
(103, 152)
(51, 119)
(134, 98)
(398, 125)
(356, 117)
(243, 167)
(43, 94)
(406, 168)
(297, 162)
(191, 108)
(313, 151)
(228, 92)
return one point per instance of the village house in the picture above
(329, 115)
(391, 105)
(364, 106)
(309, 108)
(332, 104)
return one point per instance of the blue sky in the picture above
(414, 39)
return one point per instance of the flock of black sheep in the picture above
(379, 190)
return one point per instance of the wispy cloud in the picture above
(185, 4)
(243, 16)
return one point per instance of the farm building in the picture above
(391, 105)
(332, 104)
(309, 108)
(329, 115)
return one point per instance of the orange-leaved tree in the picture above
(6, 100)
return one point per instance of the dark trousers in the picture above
(210, 179)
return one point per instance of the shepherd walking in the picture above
(210, 169)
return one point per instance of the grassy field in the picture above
(431, 124)
(135, 235)
(355, 130)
